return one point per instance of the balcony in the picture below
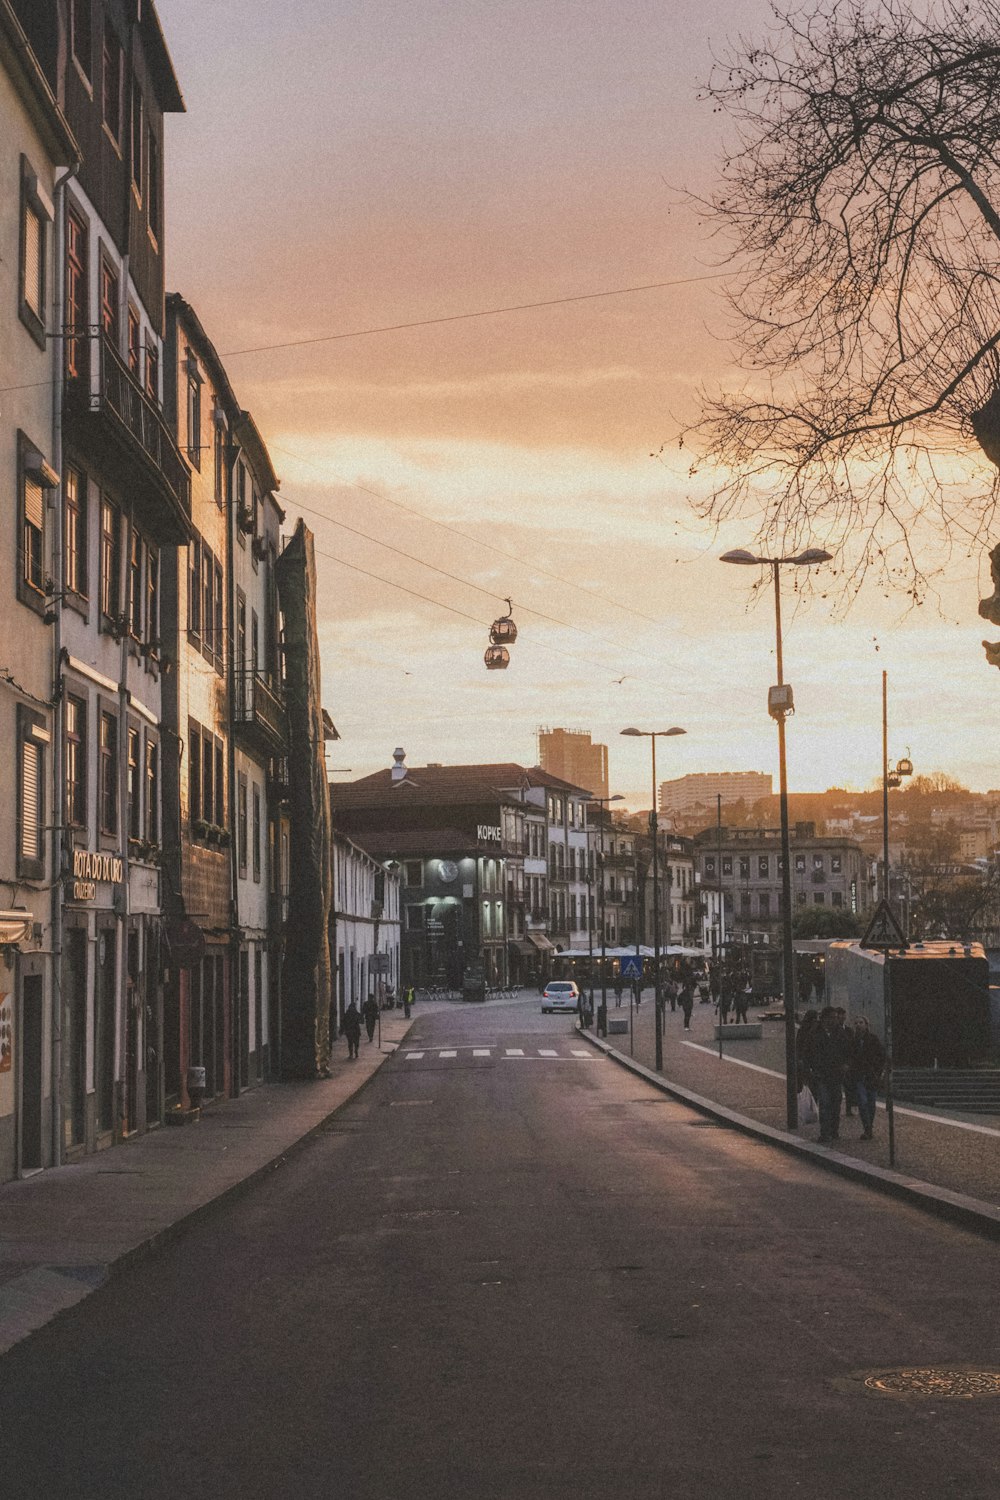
(111, 416)
(259, 714)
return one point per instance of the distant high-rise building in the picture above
(687, 794)
(570, 753)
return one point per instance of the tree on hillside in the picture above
(934, 785)
(862, 205)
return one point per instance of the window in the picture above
(744, 867)
(194, 587)
(414, 919)
(819, 898)
(153, 184)
(765, 904)
(836, 898)
(241, 821)
(194, 772)
(413, 872)
(240, 652)
(32, 737)
(153, 372)
(241, 503)
(153, 597)
(82, 35)
(710, 865)
(76, 762)
(107, 786)
(763, 866)
(134, 763)
(33, 270)
(727, 864)
(217, 617)
(745, 903)
(138, 114)
(220, 463)
(109, 302)
(208, 779)
(193, 411)
(835, 864)
(110, 560)
(817, 861)
(135, 585)
(112, 74)
(256, 833)
(77, 318)
(800, 863)
(32, 532)
(134, 344)
(800, 898)
(152, 792)
(75, 532)
(220, 785)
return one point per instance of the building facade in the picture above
(37, 149)
(697, 793)
(573, 757)
(365, 929)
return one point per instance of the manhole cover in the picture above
(948, 1382)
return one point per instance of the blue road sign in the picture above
(631, 967)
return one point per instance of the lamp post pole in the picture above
(653, 735)
(602, 1014)
(780, 704)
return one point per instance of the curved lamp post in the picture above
(652, 735)
(780, 703)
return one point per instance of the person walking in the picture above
(619, 990)
(829, 1055)
(409, 996)
(726, 991)
(352, 1029)
(370, 1012)
(804, 1051)
(865, 1067)
(743, 997)
(687, 1002)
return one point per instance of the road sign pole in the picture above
(887, 1027)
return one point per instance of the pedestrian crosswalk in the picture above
(503, 1054)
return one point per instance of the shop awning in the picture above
(539, 941)
(526, 950)
(15, 926)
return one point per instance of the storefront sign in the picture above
(94, 867)
(488, 832)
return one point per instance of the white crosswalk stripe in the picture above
(515, 1051)
(447, 1054)
(526, 1054)
(547, 1052)
(481, 1052)
(413, 1056)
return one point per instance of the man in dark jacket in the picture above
(828, 1056)
(352, 1029)
(865, 1068)
(370, 1013)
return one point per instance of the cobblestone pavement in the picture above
(959, 1152)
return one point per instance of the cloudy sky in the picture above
(356, 165)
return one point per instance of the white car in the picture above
(560, 994)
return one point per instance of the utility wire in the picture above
(465, 582)
(484, 312)
(467, 536)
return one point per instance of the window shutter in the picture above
(31, 821)
(34, 290)
(33, 502)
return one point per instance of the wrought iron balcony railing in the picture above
(259, 710)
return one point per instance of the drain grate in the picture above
(942, 1382)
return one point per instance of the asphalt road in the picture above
(519, 1276)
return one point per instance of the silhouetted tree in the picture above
(862, 204)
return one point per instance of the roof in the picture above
(29, 77)
(158, 60)
(454, 784)
(414, 843)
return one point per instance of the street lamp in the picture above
(652, 735)
(891, 777)
(602, 1014)
(780, 703)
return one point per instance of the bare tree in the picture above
(861, 208)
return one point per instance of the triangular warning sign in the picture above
(883, 931)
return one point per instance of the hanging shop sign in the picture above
(92, 869)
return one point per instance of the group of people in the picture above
(839, 1063)
(369, 1013)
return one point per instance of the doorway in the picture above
(31, 1073)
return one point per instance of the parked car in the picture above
(560, 994)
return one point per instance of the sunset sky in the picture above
(348, 165)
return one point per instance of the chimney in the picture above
(399, 770)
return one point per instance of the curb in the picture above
(970, 1213)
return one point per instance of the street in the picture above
(508, 1268)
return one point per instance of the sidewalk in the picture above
(64, 1231)
(945, 1161)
